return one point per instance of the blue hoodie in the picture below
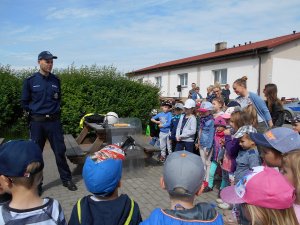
(201, 214)
(165, 118)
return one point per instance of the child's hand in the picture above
(178, 138)
(227, 132)
(160, 125)
(197, 146)
(222, 142)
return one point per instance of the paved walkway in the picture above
(140, 181)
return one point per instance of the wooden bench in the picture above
(141, 142)
(1, 140)
(74, 151)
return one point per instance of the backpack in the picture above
(127, 222)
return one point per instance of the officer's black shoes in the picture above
(70, 185)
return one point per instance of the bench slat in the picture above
(1, 140)
(73, 149)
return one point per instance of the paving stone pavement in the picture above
(140, 181)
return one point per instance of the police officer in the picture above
(41, 98)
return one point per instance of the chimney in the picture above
(294, 32)
(220, 46)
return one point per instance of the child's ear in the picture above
(162, 183)
(199, 192)
(6, 182)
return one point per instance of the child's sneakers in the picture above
(224, 206)
(162, 159)
(207, 189)
(219, 201)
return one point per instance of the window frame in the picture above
(185, 79)
(158, 81)
(220, 73)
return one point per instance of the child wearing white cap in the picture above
(186, 129)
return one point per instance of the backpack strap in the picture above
(130, 213)
(79, 210)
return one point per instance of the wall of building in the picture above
(284, 69)
(203, 76)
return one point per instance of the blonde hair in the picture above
(240, 118)
(242, 81)
(252, 113)
(35, 174)
(265, 216)
(292, 160)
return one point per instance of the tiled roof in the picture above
(238, 50)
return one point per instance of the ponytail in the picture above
(242, 81)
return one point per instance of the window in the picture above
(183, 79)
(158, 81)
(140, 80)
(220, 76)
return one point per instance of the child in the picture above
(164, 123)
(186, 129)
(183, 175)
(276, 142)
(291, 170)
(102, 173)
(21, 169)
(249, 157)
(174, 123)
(267, 195)
(153, 130)
(220, 126)
(206, 136)
(218, 104)
(238, 119)
(296, 123)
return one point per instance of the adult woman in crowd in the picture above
(246, 97)
(196, 96)
(274, 104)
(210, 93)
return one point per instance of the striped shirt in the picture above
(50, 213)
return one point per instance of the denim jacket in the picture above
(206, 135)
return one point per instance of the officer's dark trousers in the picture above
(40, 131)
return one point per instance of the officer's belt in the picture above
(46, 117)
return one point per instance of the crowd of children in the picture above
(260, 173)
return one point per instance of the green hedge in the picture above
(84, 90)
(10, 93)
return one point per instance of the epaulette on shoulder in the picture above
(30, 77)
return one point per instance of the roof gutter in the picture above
(210, 60)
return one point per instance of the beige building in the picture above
(275, 60)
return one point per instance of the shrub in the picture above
(84, 90)
(10, 92)
(101, 90)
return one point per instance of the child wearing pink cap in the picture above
(269, 197)
(206, 136)
(218, 150)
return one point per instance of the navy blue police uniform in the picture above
(41, 96)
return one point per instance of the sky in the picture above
(134, 34)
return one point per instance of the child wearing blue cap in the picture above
(102, 173)
(275, 143)
(21, 181)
